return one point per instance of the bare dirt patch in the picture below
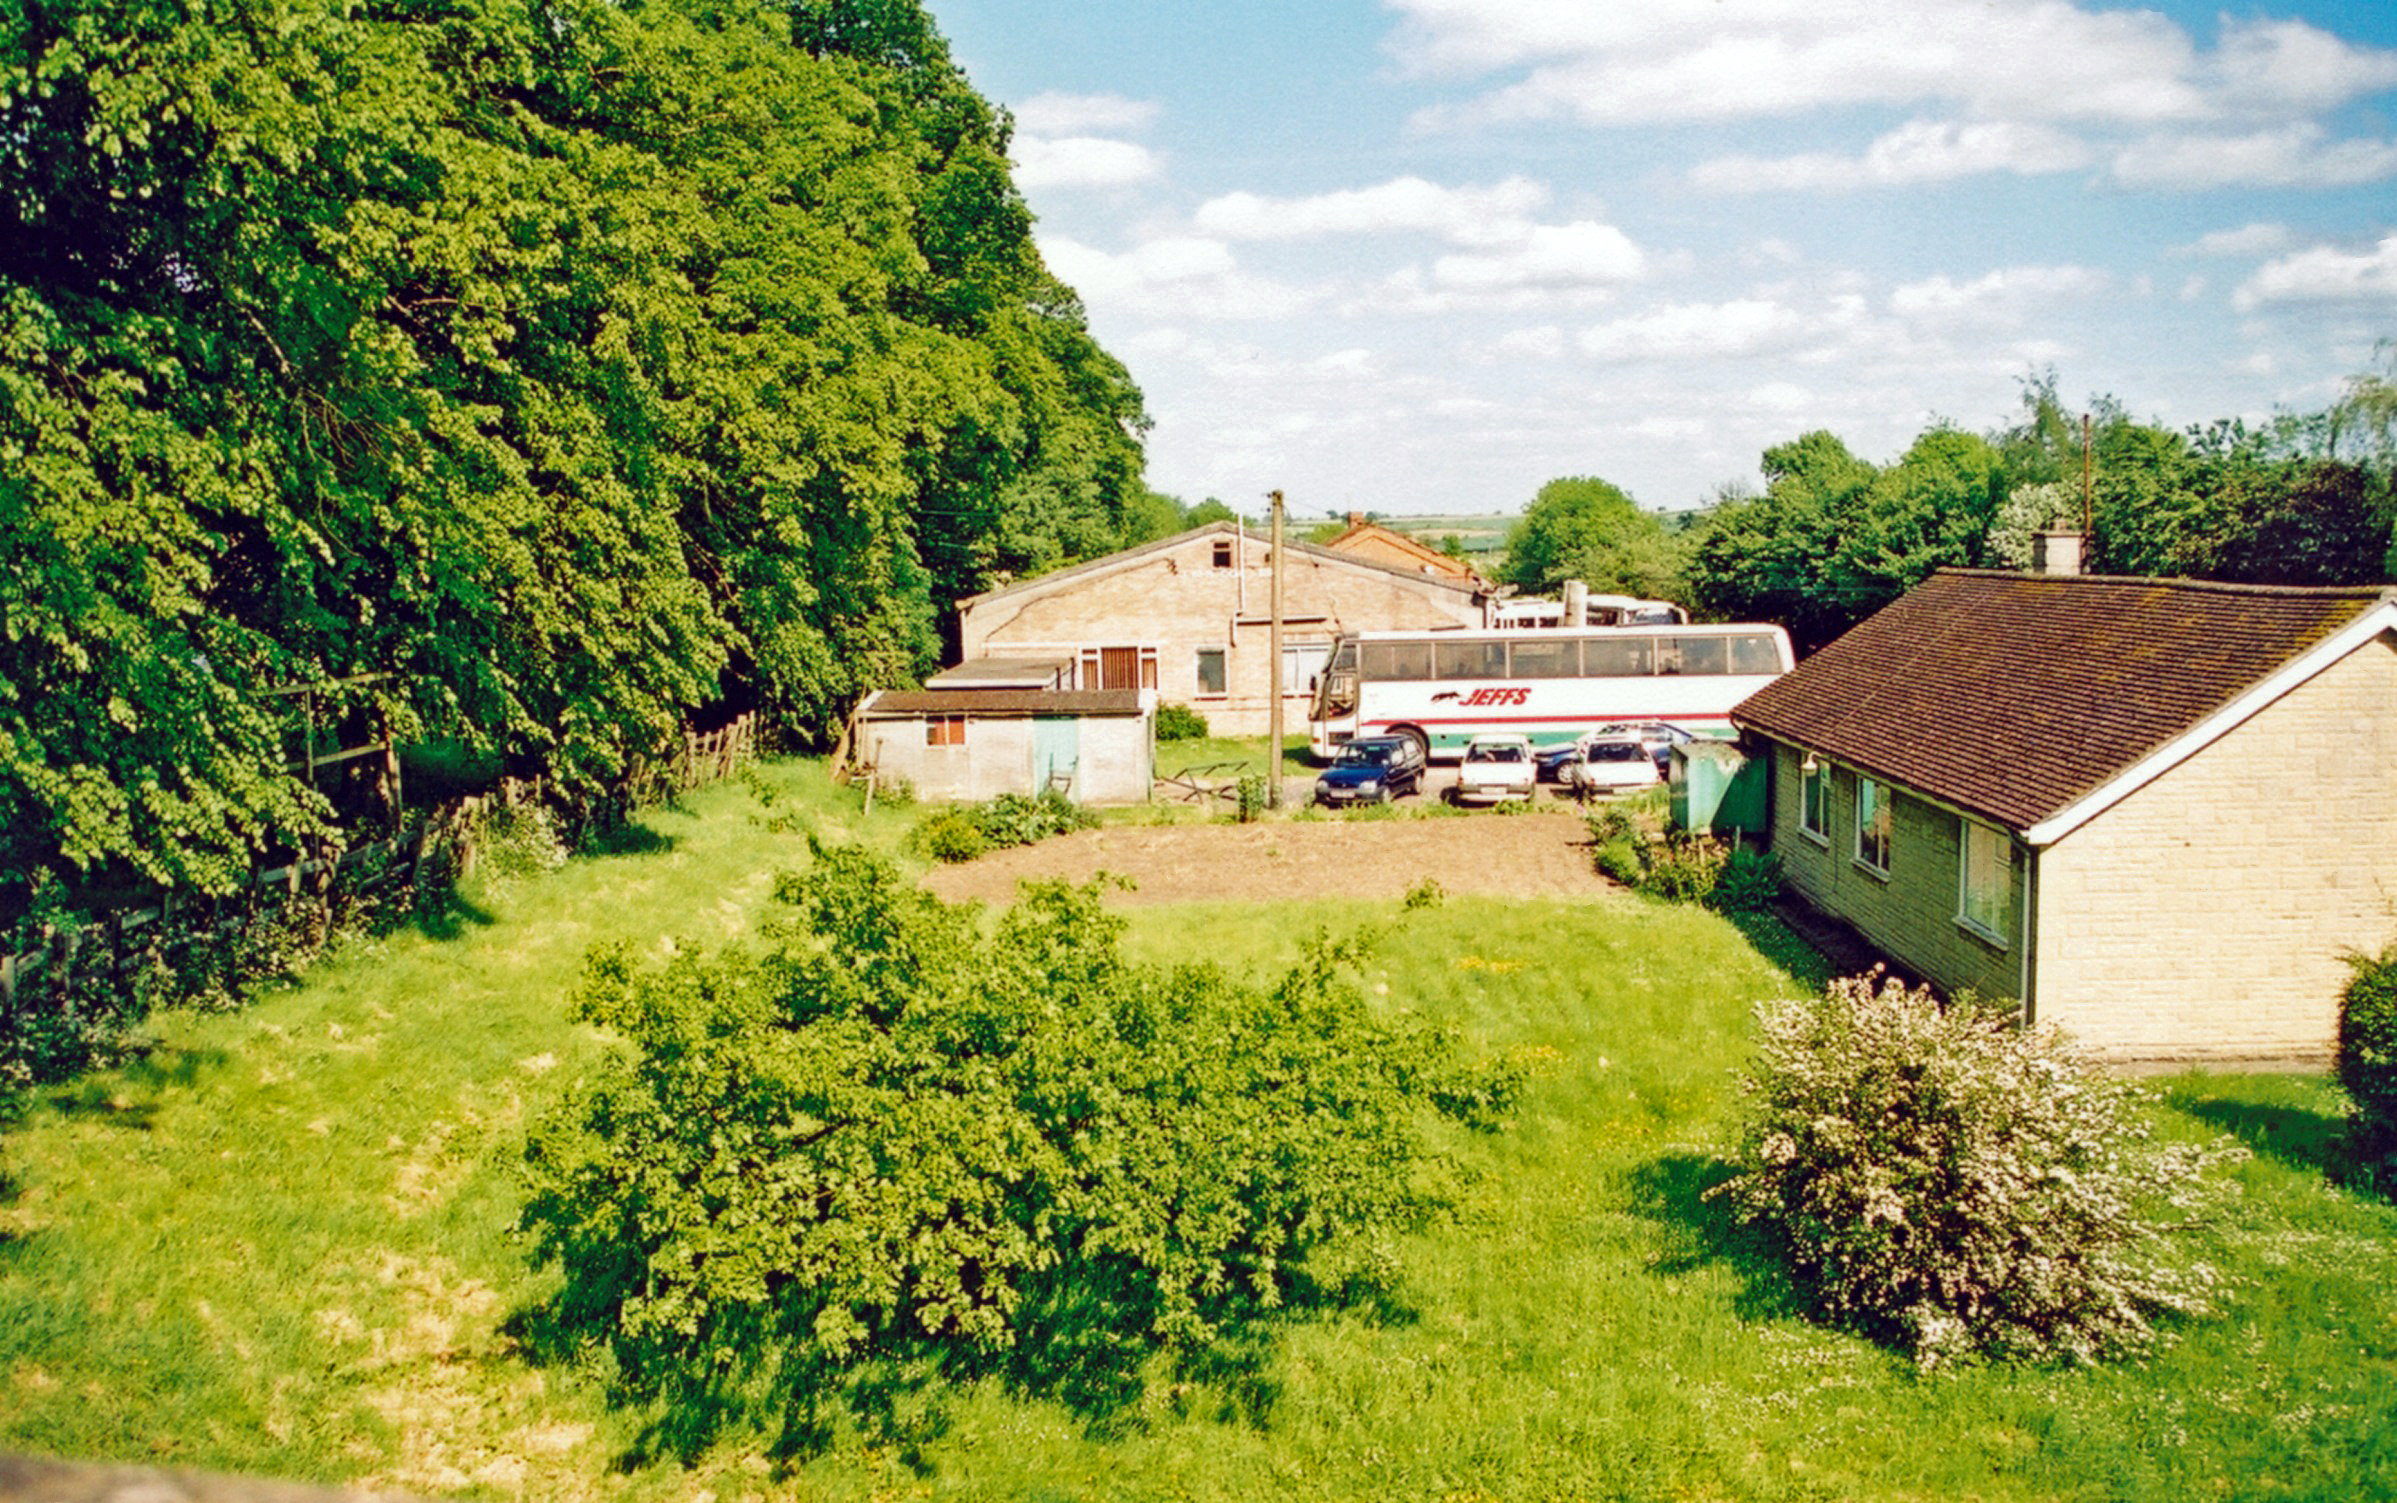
(1521, 855)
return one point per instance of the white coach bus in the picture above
(1442, 687)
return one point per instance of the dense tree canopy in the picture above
(574, 366)
(1582, 527)
(1834, 538)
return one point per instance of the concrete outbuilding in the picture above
(1095, 746)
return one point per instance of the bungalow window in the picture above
(1814, 800)
(1872, 826)
(1986, 882)
(944, 730)
(1210, 670)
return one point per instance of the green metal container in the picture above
(1719, 788)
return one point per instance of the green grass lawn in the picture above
(280, 1245)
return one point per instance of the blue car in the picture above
(1372, 770)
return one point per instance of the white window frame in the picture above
(1886, 807)
(1817, 776)
(2004, 844)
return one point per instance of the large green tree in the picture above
(571, 366)
(1582, 527)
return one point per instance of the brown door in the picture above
(1119, 667)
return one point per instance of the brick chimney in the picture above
(1356, 519)
(2056, 552)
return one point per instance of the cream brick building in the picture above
(2156, 813)
(1189, 617)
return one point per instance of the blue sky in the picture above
(1422, 255)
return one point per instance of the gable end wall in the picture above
(2204, 915)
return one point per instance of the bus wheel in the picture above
(1423, 743)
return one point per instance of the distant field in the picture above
(280, 1244)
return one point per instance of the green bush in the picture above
(2368, 1066)
(1957, 1186)
(951, 836)
(898, 1153)
(965, 831)
(1749, 882)
(1180, 723)
(1620, 860)
(1249, 797)
(1013, 819)
(1682, 867)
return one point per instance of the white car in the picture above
(1612, 764)
(1497, 767)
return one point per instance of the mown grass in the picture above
(280, 1246)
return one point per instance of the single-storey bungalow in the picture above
(1095, 746)
(2154, 812)
(1189, 617)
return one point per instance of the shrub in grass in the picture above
(2368, 1066)
(1180, 723)
(1957, 1186)
(1249, 798)
(950, 835)
(966, 831)
(1749, 882)
(897, 1151)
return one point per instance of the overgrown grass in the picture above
(279, 1246)
(1176, 756)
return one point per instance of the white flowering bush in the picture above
(1946, 1181)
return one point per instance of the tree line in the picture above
(570, 367)
(2304, 499)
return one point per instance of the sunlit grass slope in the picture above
(280, 1247)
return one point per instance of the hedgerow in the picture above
(1948, 1182)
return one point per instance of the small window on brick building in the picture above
(1223, 553)
(944, 730)
(1210, 670)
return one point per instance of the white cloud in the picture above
(1581, 254)
(1542, 342)
(2276, 66)
(2258, 239)
(1921, 151)
(2000, 297)
(1780, 396)
(1081, 162)
(1073, 114)
(1184, 277)
(1696, 331)
(2289, 156)
(2193, 289)
(1463, 216)
(2324, 274)
(1999, 59)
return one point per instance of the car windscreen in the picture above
(1614, 751)
(1494, 754)
(1364, 756)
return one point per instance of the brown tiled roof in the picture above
(2012, 695)
(1006, 702)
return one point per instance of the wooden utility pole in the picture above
(1273, 736)
(2088, 488)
